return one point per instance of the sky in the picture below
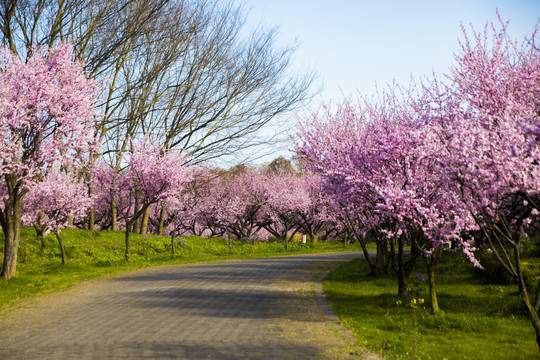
(356, 45)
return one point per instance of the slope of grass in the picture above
(93, 254)
(480, 319)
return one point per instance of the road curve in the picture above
(249, 309)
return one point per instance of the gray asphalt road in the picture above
(252, 309)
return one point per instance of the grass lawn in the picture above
(480, 319)
(92, 254)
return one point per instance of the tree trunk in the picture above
(161, 219)
(431, 263)
(230, 243)
(136, 223)
(114, 216)
(91, 213)
(11, 243)
(381, 262)
(128, 243)
(536, 323)
(91, 219)
(11, 246)
(70, 222)
(346, 239)
(62, 248)
(367, 256)
(144, 222)
(173, 251)
(11, 225)
(533, 315)
(39, 227)
(403, 289)
(532, 310)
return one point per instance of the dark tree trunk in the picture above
(128, 243)
(136, 222)
(91, 219)
(381, 261)
(432, 291)
(161, 219)
(91, 212)
(431, 263)
(372, 265)
(230, 243)
(532, 310)
(403, 289)
(39, 227)
(144, 221)
(11, 246)
(10, 219)
(114, 216)
(62, 248)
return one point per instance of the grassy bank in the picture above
(93, 254)
(480, 319)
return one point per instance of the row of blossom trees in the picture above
(53, 174)
(449, 163)
(49, 152)
(252, 205)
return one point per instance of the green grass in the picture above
(94, 254)
(480, 319)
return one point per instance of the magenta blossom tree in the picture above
(487, 122)
(380, 163)
(46, 118)
(461, 156)
(318, 214)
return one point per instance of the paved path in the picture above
(251, 309)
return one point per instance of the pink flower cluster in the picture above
(446, 158)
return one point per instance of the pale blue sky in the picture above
(354, 44)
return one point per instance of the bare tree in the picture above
(182, 69)
(186, 71)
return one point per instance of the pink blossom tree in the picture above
(287, 197)
(487, 122)
(46, 117)
(108, 197)
(55, 200)
(151, 175)
(318, 215)
(239, 200)
(378, 164)
(187, 212)
(342, 148)
(461, 156)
